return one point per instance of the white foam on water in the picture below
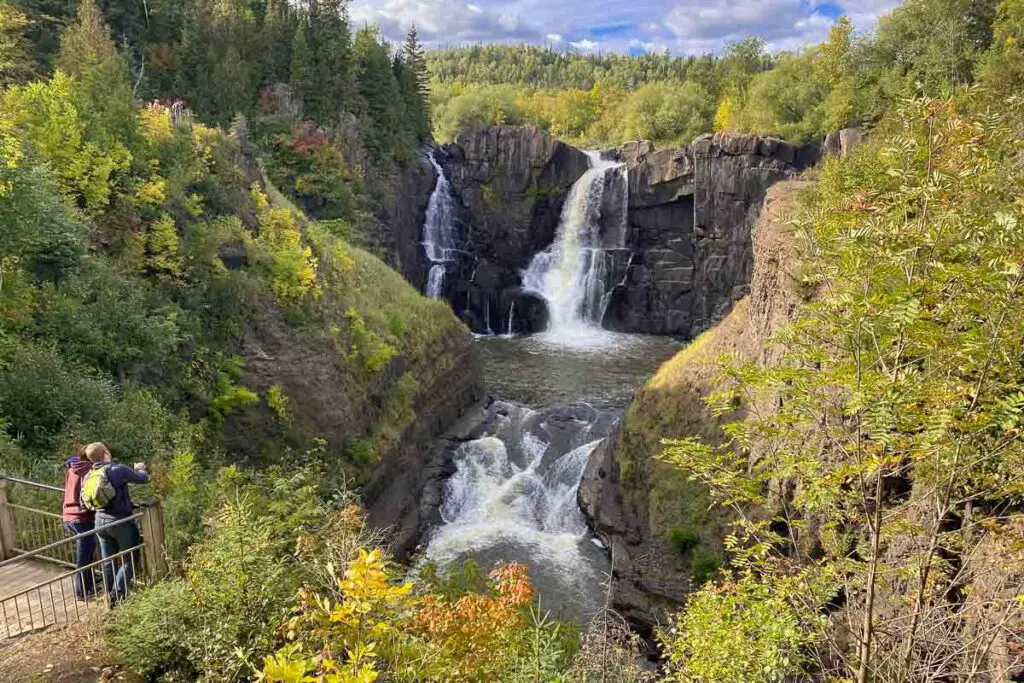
(528, 510)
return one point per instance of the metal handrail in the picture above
(64, 541)
(36, 484)
(60, 581)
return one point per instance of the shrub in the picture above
(150, 628)
(683, 540)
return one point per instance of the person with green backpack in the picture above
(105, 491)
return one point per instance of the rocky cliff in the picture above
(510, 184)
(684, 259)
(657, 523)
(692, 213)
(374, 421)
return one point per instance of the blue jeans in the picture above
(117, 536)
(85, 553)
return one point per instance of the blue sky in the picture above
(625, 26)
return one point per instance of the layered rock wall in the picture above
(685, 257)
(510, 184)
(692, 213)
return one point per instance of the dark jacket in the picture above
(76, 471)
(120, 476)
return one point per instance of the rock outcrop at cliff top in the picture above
(639, 505)
(692, 212)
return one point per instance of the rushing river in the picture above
(513, 495)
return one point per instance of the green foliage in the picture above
(15, 57)
(291, 265)
(683, 540)
(385, 123)
(366, 350)
(279, 402)
(213, 622)
(744, 631)
(48, 116)
(231, 394)
(916, 267)
(1001, 70)
(44, 397)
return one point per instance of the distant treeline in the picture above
(924, 47)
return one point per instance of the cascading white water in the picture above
(571, 275)
(510, 329)
(513, 497)
(439, 238)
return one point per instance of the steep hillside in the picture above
(658, 523)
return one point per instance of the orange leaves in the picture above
(474, 629)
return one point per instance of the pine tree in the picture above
(276, 37)
(104, 87)
(383, 112)
(333, 59)
(412, 53)
(411, 72)
(303, 68)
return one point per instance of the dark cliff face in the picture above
(692, 212)
(400, 218)
(686, 255)
(510, 184)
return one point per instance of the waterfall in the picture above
(514, 495)
(439, 239)
(571, 275)
(511, 319)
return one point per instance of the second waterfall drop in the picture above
(571, 275)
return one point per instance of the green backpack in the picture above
(97, 491)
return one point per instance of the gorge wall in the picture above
(686, 254)
(656, 523)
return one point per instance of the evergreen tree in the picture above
(333, 59)
(303, 68)
(104, 93)
(383, 111)
(411, 72)
(276, 38)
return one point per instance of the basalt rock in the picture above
(636, 503)
(691, 218)
(509, 184)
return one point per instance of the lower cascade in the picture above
(572, 274)
(512, 497)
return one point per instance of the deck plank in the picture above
(47, 602)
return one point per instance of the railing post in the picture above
(6, 524)
(152, 522)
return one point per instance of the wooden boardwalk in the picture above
(49, 602)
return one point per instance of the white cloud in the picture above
(683, 26)
(444, 21)
(586, 45)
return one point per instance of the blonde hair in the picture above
(95, 452)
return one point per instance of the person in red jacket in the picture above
(78, 520)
